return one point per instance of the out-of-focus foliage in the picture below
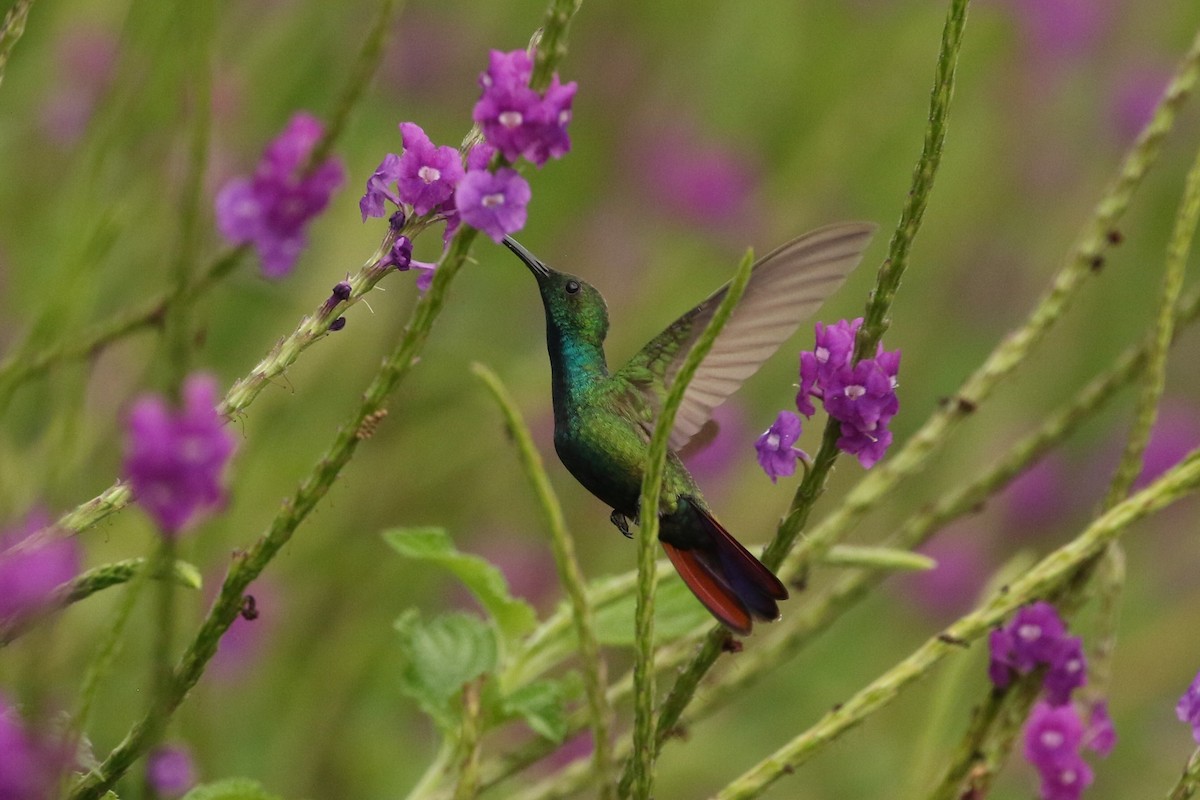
(699, 128)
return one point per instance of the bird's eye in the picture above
(572, 287)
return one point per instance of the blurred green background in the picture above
(699, 128)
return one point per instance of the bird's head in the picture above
(573, 306)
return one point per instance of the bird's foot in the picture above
(622, 523)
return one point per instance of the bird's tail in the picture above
(731, 583)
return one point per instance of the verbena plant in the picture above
(505, 685)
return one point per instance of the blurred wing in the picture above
(786, 287)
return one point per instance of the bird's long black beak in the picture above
(535, 265)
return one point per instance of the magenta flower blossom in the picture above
(1053, 735)
(494, 203)
(1032, 638)
(169, 771)
(174, 459)
(1188, 709)
(1067, 779)
(1067, 672)
(861, 397)
(427, 174)
(514, 118)
(31, 765)
(30, 571)
(704, 182)
(1101, 735)
(272, 209)
(379, 188)
(777, 453)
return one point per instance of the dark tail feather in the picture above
(709, 588)
(727, 578)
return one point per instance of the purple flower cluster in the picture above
(30, 765)
(777, 453)
(861, 397)
(31, 569)
(174, 460)
(1188, 709)
(1055, 733)
(272, 208)
(516, 121)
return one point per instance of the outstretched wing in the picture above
(786, 287)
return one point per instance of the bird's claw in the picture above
(622, 523)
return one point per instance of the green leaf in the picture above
(514, 617)
(542, 705)
(441, 655)
(676, 612)
(230, 789)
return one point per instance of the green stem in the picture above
(467, 785)
(94, 580)
(1051, 574)
(1185, 789)
(644, 744)
(595, 673)
(11, 30)
(887, 282)
(1084, 258)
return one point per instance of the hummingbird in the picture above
(603, 420)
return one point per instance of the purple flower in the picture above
(950, 588)
(1067, 779)
(30, 570)
(425, 274)
(480, 156)
(30, 765)
(400, 256)
(1188, 709)
(1101, 735)
(514, 118)
(861, 397)
(427, 174)
(1032, 638)
(169, 771)
(493, 203)
(379, 188)
(715, 459)
(1038, 497)
(272, 209)
(1067, 672)
(777, 453)
(1053, 736)
(551, 117)
(174, 459)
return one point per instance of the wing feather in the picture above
(786, 287)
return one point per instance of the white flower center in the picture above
(773, 441)
(492, 200)
(1067, 777)
(1074, 665)
(1029, 632)
(564, 117)
(822, 354)
(511, 119)
(855, 391)
(429, 174)
(1052, 739)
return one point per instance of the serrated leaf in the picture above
(514, 617)
(676, 612)
(441, 655)
(542, 705)
(230, 789)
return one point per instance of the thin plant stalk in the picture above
(1185, 789)
(249, 564)
(1051, 574)
(595, 673)
(887, 283)
(11, 30)
(644, 745)
(1085, 257)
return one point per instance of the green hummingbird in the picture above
(603, 421)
